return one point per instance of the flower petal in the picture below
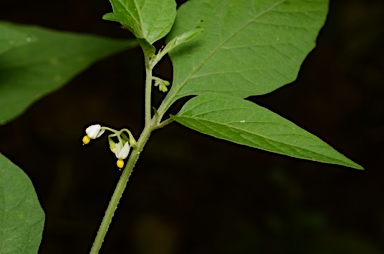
(94, 131)
(100, 133)
(117, 149)
(123, 153)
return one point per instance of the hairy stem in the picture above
(107, 219)
(150, 125)
(148, 91)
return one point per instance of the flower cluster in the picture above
(120, 149)
(162, 84)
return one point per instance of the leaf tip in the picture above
(110, 17)
(359, 167)
(354, 165)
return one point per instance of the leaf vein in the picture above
(206, 123)
(182, 83)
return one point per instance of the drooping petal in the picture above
(100, 133)
(94, 131)
(117, 149)
(123, 152)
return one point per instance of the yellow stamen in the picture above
(120, 163)
(86, 139)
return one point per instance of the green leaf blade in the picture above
(11, 37)
(247, 48)
(21, 216)
(31, 71)
(149, 20)
(243, 122)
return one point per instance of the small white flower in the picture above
(121, 153)
(93, 132)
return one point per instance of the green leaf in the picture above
(148, 49)
(149, 20)
(248, 47)
(246, 123)
(171, 45)
(21, 216)
(111, 17)
(178, 40)
(11, 37)
(31, 71)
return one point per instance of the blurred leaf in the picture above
(21, 216)
(248, 47)
(246, 123)
(11, 37)
(31, 71)
(149, 20)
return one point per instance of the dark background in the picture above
(194, 194)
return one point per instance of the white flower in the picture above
(121, 153)
(93, 132)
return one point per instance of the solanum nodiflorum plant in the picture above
(222, 52)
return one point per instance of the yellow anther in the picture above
(120, 163)
(86, 140)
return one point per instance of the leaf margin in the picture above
(182, 118)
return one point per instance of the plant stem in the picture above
(150, 125)
(148, 90)
(107, 219)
